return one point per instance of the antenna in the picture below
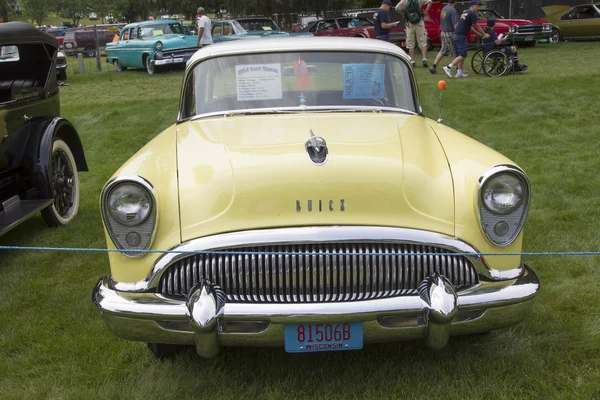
(442, 86)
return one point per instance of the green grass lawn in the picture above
(53, 343)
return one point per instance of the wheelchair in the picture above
(493, 62)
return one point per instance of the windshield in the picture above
(150, 31)
(485, 14)
(298, 81)
(252, 25)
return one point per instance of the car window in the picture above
(353, 22)
(485, 14)
(9, 54)
(156, 30)
(69, 36)
(227, 29)
(303, 79)
(326, 26)
(217, 29)
(586, 12)
(258, 25)
(125, 34)
(133, 34)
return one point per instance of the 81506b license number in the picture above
(301, 338)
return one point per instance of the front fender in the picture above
(39, 150)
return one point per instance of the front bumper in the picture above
(525, 37)
(207, 321)
(170, 61)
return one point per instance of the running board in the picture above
(17, 211)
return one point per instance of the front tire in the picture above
(120, 67)
(149, 68)
(65, 186)
(556, 36)
(164, 351)
(89, 51)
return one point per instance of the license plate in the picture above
(336, 336)
(529, 38)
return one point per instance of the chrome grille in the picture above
(358, 271)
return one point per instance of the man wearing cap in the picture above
(448, 24)
(466, 23)
(382, 22)
(416, 34)
(204, 27)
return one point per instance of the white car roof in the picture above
(302, 43)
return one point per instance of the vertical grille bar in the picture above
(288, 276)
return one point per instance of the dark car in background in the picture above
(40, 152)
(84, 41)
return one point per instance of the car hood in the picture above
(253, 172)
(551, 11)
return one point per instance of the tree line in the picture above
(138, 10)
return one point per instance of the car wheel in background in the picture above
(149, 68)
(89, 51)
(65, 186)
(556, 36)
(120, 67)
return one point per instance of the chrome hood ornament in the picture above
(316, 148)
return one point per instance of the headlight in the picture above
(129, 203)
(503, 198)
(547, 27)
(158, 55)
(503, 194)
(512, 29)
(129, 207)
(158, 46)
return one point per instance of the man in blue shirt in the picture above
(466, 23)
(382, 22)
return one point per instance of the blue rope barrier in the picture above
(297, 253)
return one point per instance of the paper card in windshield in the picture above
(258, 82)
(363, 81)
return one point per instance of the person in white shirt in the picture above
(204, 27)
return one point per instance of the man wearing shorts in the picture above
(466, 23)
(416, 34)
(448, 24)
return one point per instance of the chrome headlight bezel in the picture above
(513, 220)
(117, 230)
(158, 46)
(512, 29)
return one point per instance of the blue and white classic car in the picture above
(151, 45)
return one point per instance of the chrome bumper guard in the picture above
(205, 313)
(168, 61)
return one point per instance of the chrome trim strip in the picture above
(499, 169)
(295, 236)
(299, 110)
(154, 306)
(155, 207)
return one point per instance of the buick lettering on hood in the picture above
(303, 200)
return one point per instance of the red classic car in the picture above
(352, 27)
(432, 24)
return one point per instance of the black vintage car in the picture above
(40, 152)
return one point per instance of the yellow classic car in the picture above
(568, 22)
(303, 200)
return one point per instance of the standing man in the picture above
(204, 27)
(416, 34)
(382, 22)
(466, 23)
(448, 24)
